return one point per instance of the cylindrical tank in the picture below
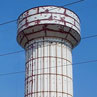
(48, 34)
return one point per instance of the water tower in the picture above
(48, 34)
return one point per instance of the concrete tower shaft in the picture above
(48, 34)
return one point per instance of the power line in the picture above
(4, 23)
(15, 52)
(8, 22)
(73, 3)
(91, 36)
(78, 63)
(10, 53)
(11, 73)
(69, 4)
